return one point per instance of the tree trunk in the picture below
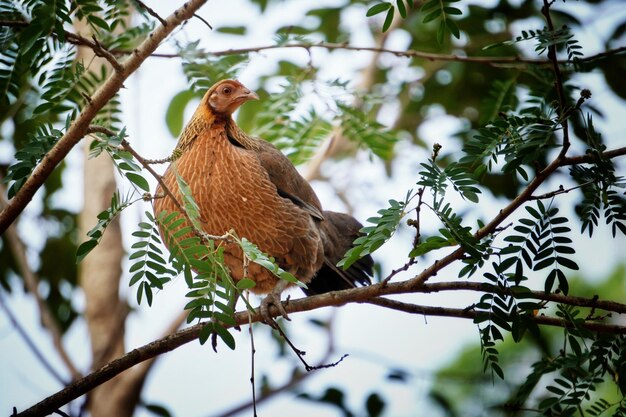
(99, 276)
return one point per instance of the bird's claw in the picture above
(272, 299)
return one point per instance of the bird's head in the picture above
(226, 96)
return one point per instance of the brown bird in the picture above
(246, 184)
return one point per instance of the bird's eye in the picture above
(227, 90)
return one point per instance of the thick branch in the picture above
(359, 295)
(80, 125)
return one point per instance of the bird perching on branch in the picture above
(246, 184)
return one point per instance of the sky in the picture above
(195, 381)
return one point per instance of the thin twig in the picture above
(96, 47)
(560, 190)
(484, 287)
(203, 20)
(151, 12)
(296, 377)
(485, 60)
(14, 23)
(558, 81)
(395, 272)
(411, 53)
(158, 161)
(252, 368)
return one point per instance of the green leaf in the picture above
(139, 181)
(401, 8)
(568, 263)
(148, 291)
(385, 226)
(245, 284)
(452, 10)
(252, 252)
(432, 16)
(430, 244)
(225, 335)
(374, 403)
(388, 19)
(158, 410)
(232, 30)
(84, 249)
(429, 5)
(377, 8)
(453, 28)
(135, 278)
(441, 30)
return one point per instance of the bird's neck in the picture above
(203, 120)
(236, 134)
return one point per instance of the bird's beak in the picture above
(250, 95)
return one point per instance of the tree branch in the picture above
(96, 47)
(560, 190)
(151, 12)
(470, 314)
(590, 158)
(356, 295)
(411, 53)
(79, 126)
(485, 287)
(505, 212)
(558, 81)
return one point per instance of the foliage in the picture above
(433, 10)
(545, 38)
(203, 70)
(375, 236)
(118, 203)
(29, 156)
(516, 115)
(296, 130)
(374, 404)
(568, 355)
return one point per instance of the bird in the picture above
(245, 184)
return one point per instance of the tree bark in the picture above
(99, 276)
(100, 273)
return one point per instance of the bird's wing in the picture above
(288, 180)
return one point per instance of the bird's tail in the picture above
(339, 231)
